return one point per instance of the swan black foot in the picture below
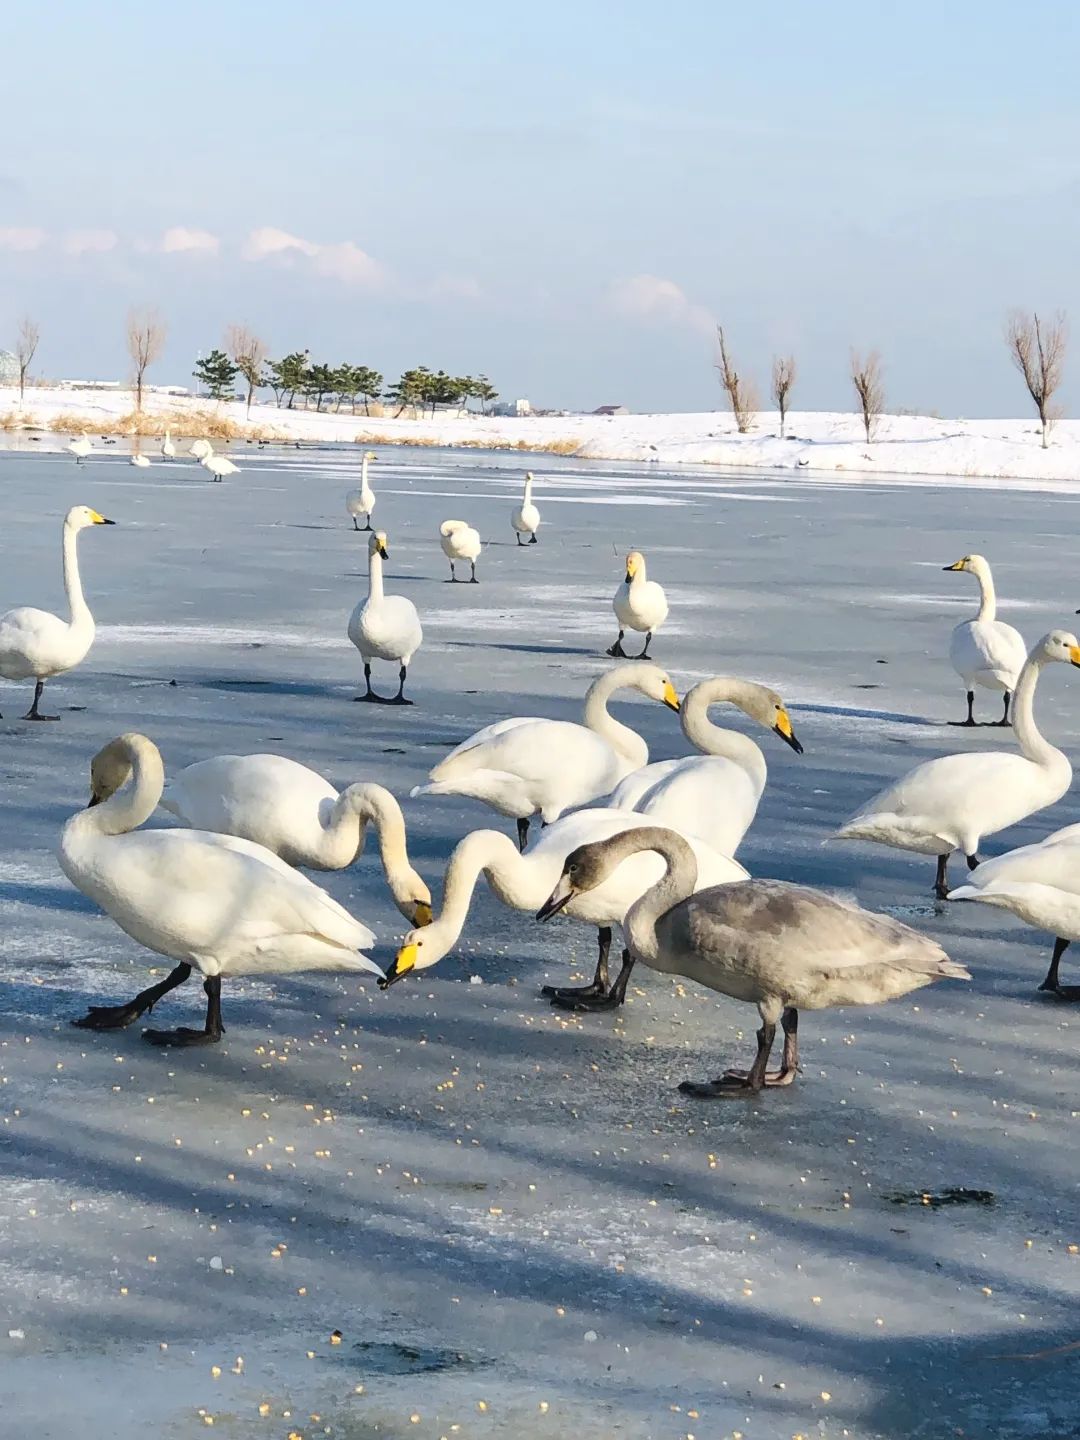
(598, 984)
(593, 997)
(34, 712)
(532, 540)
(616, 651)
(739, 1084)
(182, 1036)
(971, 711)
(116, 1017)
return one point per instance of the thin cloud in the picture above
(21, 238)
(649, 297)
(182, 240)
(90, 242)
(342, 260)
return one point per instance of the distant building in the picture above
(513, 407)
(9, 368)
(611, 410)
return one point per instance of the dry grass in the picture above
(426, 442)
(190, 424)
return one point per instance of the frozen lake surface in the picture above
(513, 1220)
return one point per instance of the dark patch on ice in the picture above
(912, 912)
(391, 1357)
(937, 1199)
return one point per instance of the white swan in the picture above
(168, 449)
(221, 905)
(460, 541)
(218, 465)
(526, 766)
(80, 447)
(782, 947)
(384, 627)
(639, 604)
(200, 449)
(985, 651)
(713, 795)
(294, 812)
(362, 501)
(526, 518)
(139, 459)
(35, 643)
(524, 881)
(951, 803)
(1040, 884)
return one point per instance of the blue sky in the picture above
(564, 196)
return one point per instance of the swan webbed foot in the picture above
(573, 993)
(645, 651)
(584, 999)
(109, 1017)
(373, 699)
(33, 715)
(732, 1084)
(183, 1035)
(1069, 993)
(34, 712)
(964, 724)
(616, 651)
(397, 700)
(532, 541)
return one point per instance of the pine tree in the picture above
(218, 373)
(288, 377)
(485, 392)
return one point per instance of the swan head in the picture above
(646, 678)
(768, 709)
(583, 869)
(635, 565)
(419, 949)
(81, 517)
(370, 455)
(1059, 645)
(975, 563)
(377, 545)
(111, 767)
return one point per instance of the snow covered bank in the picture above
(819, 441)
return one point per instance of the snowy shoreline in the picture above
(823, 443)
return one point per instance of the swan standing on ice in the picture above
(200, 449)
(460, 541)
(713, 795)
(168, 449)
(139, 459)
(80, 448)
(214, 903)
(362, 501)
(525, 766)
(299, 816)
(782, 947)
(384, 627)
(218, 465)
(985, 651)
(39, 644)
(524, 881)
(639, 604)
(526, 518)
(951, 803)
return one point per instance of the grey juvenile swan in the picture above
(784, 948)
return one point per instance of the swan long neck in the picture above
(375, 576)
(363, 474)
(527, 497)
(80, 611)
(362, 803)
(620, 737)
(987, 593)
(132, 806)
(1033, 745)
(713, 739)
(677, 882)
(509, 874)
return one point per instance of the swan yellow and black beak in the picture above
(1074, 651)
(786, 733)
(960, 565)
(671, 700)
(403, 962)
(380, 549)
(558, 900)
(100, 519)
(422, 914)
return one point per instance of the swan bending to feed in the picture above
(295, 813)
(168, 449)
(526, 766)
(213, 903)
(784, 948)
(80, 447)
(1040, 884)
(218, 465)
(985, 651)
(951, 803)
(713, 795)
(362, 501)
(39, 644)
(639, 604)
(384, 627)
(140, 460)
(200, 449)
(526, 518)
(524, 881)
(460, 541)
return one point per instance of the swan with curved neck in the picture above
(362, 501)
(35, 644)
(784, 948)
(713, 795)
(384, 627)
(460, 541)
(526, 766)
(639, 604)
(294, 812)
(526, 518)
(215, 903)
(951, 803)
(521, 881)
(985, 651)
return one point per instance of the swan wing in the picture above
(939, 790)
(990, 646)
(482, 736)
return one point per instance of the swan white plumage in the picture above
(526, 518)
(168, 449)
(37, 644)
(294, 812)
(526, 766)
(200, 448)
(362, 501)
(221, 905)
(139, 459)
(952, 802)
(80, 447)
(713, 795)
(524, 881)
(460, 541)
(218, 465)
(639, 604)
(985, 651)
(782, 947)
(384, 627)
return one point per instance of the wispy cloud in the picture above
(22, 238)
(649, 297)
(90, 242)
(340, 260)
(183, 240)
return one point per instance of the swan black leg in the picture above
(789, 1063)
(738, 1082)
(518, 534)
(355, 526)
(369, 693)
(1005, 715)
(115, 1017)
(645, 652)
(523, 831)
(399, 698)
(599, 982)
(211, 1032)
(453, 577)
(1051, 983)
(611, 1000)
(617, 650)
(473, 580)
(972, 861)
(368, 526)
(34, 713)
(532, 539)
(971, 711)
(941, 883)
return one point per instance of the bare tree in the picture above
(25, 349)
(870, 388)
(783, 378)
(145, 342)
(1038, 352)
(249, 355)
(740, 392)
